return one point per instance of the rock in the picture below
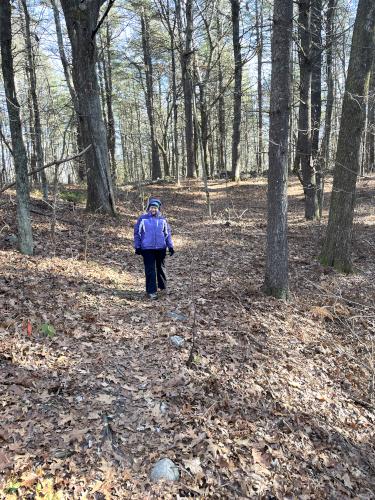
(177, 316)
(165, 469)
(11, 239)
(177, 341)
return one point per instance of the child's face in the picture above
(153, 210)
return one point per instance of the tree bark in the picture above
(316, 77)
(276, 275)
(25, 237)
(111, 130)
(236, 134)
(304, 119)
(80, 166)
(336, 250)
(259, 38)
(155, 159)
(187, 84)
(370, 153)
(81, 17)
(325, 148)
(30, 68)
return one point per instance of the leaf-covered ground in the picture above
(277, 402)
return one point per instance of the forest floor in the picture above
(278, 401)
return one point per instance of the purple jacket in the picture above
(152, 232)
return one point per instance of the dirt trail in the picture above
(277, 402)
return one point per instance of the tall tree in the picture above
(25, 237)
(81, 17)
(304, 142)
(187, 81)
(326, 140)
(276, 276)
(237, 97)
(259, 39)
(81, 171)
(316, 76)
(149, 91)
(37, 127)
(336, 250)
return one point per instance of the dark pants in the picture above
(154, 261)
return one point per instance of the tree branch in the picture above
(106, 12)
(55, 162)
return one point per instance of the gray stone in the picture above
(177, 316)
(177, 341)
(12, 239)
(165, 469)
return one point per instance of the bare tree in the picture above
(37, 128)
(236, 135)
(81, 17)
(336, 250)
(276, 276)
(25, 237)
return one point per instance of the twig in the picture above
(51, 164)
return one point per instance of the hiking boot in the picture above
(152, 296)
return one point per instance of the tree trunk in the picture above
(304, 119)
(176, 154)
(80, 164)
(111, 131)
(25, 237)
(259, 38)
(187, 85)
(276, 276)
(81, 19)
(316, 77)
(155, 159)
(237, 97)
(221, 106)
(336, 250)
(30, 68)
(370, 154)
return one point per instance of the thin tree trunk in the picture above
(370, 153)
(187, 85)
(25, 236)
(80, 165)
(221, 105)
(316, 77)
(304, 120)
(176, 153)
(336, 250)
(107, 73)
(155, 160)
(34, 99)
(325, 149)
(81, 20)
(237, 98)
(259, 41)
(276, 275)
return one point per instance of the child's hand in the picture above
(171, 251)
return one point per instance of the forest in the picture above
(248, 129)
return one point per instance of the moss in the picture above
(73, 196)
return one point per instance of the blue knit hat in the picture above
(154, 202)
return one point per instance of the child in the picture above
(152, 237)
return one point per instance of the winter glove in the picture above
(138, 251)
(171, 251)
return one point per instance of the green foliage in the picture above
(48, 330)
(12, 487)
(73, 196)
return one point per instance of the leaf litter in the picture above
(277, 402)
